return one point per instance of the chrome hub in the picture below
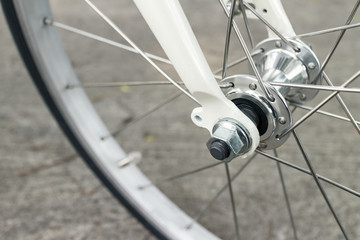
(270, 117)
(277, 63)
(280, 63)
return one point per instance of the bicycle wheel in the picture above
(81, 112)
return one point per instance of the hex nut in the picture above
(233, 135)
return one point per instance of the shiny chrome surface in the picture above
(277, 112)
(280, 63)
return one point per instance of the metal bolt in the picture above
(252, 86)
(282, 120)
(278, 44)
(219, 150)
(311, 65)
(228, 140)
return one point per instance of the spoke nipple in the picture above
(133, 157)
(189, 226)
(47, 21)
(311, 65)
(272, 99)
(278, 44)
(302, 97)
(282, 120)
(226, 85)
(262, 145)
(252, 86)
(69, 86)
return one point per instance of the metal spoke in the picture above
(169, 179)
(327, 60)
(248, 55)
(154, 83)
(243, 11)
(128, 48)
(121, 33)
(308, 163)
(207, 205)
(102, 39)
(286, 197)
(330, 30)
(227, 40)
(317, 87)
(328, 57)
(120, 84)
(324, 113)
(303, 170)
(143, 115)
(233, 207)
(135, 84)
(236, 62)
(321, 104)
(248, 6)
(343, 105)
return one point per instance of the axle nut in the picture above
(228, 140)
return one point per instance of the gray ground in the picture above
(48, 193)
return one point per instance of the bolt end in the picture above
(219, 150)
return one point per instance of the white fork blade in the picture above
(170, 26)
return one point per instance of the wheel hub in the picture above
(280, 63)
(270, 117)
(277, 63)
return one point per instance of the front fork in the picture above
(170, 26)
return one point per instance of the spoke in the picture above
(321, 104)
(313, 173)
(207, 205)
(121, 33)
(286, 197)
(102, 39)
(248, 55)
(169, 179)
(330, 30)
(243, 11)
(328, 57)
(236, 62)
(236, 223)
(154, 83)
(143, 115)
(125, 47)
(248, 6)
(120, 84)
(317, 87)
(324, 113)
(227, 40)
(303, 170)
(135, 84)
(343, 105)
(128, 48)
